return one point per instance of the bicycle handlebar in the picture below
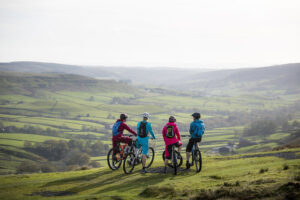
(185, 135)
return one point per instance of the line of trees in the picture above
(62, 155)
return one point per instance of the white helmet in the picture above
(146, 115)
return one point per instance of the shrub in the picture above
(28, 167)
(262, 170)
(95, 164)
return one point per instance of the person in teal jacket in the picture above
(197, 129)
(143, 130)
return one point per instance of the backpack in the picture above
(170, 132)
(198, 132)
(143, 130)
(115, 128)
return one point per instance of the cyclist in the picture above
(118, 129)
(143, 130)
(171, 136)
(197, 129)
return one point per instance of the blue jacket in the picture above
(197, 126)
(148, 129)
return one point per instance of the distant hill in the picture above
(140, 75)
(279, 77)
(29, 83)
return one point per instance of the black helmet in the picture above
(196, 115)
(172, 119)
(123, 116)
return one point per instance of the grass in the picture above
(102, 183)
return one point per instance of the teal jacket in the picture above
(148, 129)
(197, 128)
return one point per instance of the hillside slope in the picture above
(279, 77)
(254, 176)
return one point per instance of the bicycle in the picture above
(114, 163)
(134, 158)
(196, 156)
(175, 156)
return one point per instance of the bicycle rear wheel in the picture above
(198, 160)
(129, 163)
(113, 164)
(151, 154)
(179, 159)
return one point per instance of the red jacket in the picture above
(173, 140)
(123, 127)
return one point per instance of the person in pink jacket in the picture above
(171, 137)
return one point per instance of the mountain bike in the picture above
(196, 156)
(176, 159)
(134, 158)
(114, 162)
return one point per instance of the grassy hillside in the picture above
(35, 108)
(251, 176)
(61, 124)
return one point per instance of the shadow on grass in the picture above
(113, 179)
(78, 178)
(141, 182)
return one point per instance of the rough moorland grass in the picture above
(219, 178)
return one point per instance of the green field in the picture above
(222, 177)
(78, 113)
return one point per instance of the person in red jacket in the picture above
(118, 129)
(171, 137)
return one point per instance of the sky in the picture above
(169, 33)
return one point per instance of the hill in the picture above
(252, 176)
(282, 78)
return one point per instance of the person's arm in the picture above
(126, 127)
(150, 130)
(164, 133)
(177, 133)
(203, 128)
(191, 129)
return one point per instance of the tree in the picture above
(75, 157)
(91, 98)
(28, 167)
(263, 128)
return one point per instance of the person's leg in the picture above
(126, 140)
(168, 152)
(188, 152)
(145, 154)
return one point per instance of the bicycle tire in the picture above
(171, 164)
(110, 161)
(152, 157)
(129, 162)
(174, 162)
(198, 161)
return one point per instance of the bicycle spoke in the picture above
(129, 163)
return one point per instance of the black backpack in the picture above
(170, 132)
(143, 130)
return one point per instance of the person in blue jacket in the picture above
(143, 130)
(197, 129)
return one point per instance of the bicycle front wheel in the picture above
(113, 164)
(150, 158)
(129, 163)
(198, 160)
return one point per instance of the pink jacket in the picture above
(173, 140)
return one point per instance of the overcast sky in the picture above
(211, 33)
